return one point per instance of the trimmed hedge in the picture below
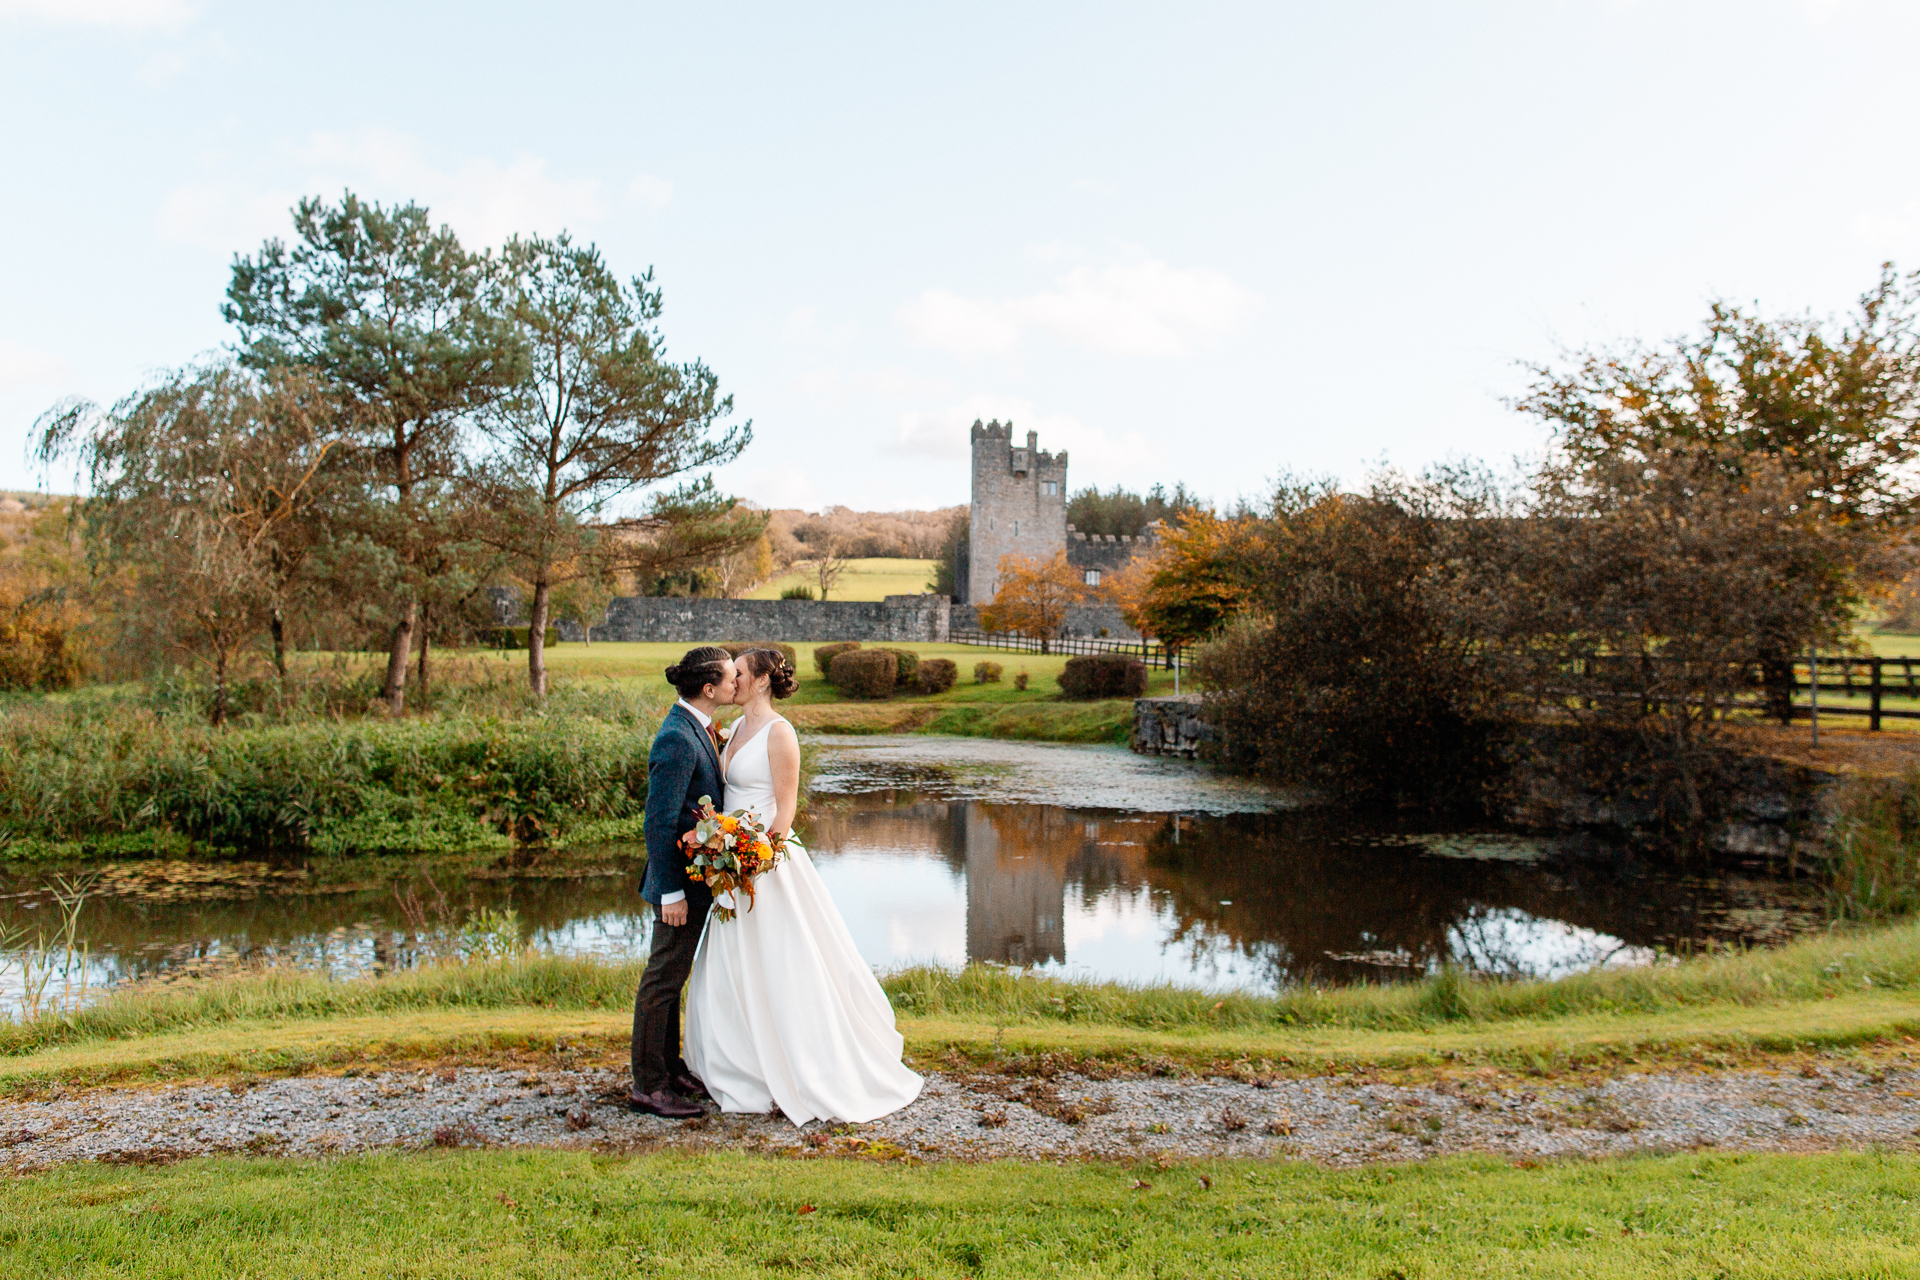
(937, 674)
(863, 673)
(987, 672)
(515, 637)
(1105, 675)
(906, 667)
(823, 656)
(735, 648)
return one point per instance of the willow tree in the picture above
(404, 326)
(597, 412)
(199, 489)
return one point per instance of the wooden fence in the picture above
(1849, 677)
(1840, 676)
(1149, 652)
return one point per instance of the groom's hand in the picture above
(674, 913)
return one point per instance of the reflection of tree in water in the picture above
(1301, 892)
(1305, 897)
(344, 917)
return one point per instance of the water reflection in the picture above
(1251, 900)
(1263, 900)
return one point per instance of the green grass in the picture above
(1830, 993)
(997, 710)
(114, 775)
(862, 580)
(562, 1213)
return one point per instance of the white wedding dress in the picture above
(781, 1009)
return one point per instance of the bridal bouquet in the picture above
(728, 850)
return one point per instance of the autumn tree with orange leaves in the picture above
(1190, 586)
(1033, 597)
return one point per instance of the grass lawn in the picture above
(562, 1213)
(977, 710)
(464, 1213)
(1851, 991)
(863, 580)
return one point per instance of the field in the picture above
(862, 580)
(981, 710)
(547, 1212)
(574, 1213)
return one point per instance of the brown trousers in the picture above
(656, 1006)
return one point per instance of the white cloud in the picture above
(654, 193)
(24, 366)
(1095, 456)
(1136, 306)
(101, 13)
(225, 215)
(887, 383)
(774, 487)
(804, 327)
(482, 199)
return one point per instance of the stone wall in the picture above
(707, 619)
(1083, 621)
(1169, 726)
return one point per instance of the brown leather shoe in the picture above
(688, 1085)
(663, 1104)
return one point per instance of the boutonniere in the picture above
(726, 731)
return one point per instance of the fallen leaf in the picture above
(506, 1200)
(1140, 1185)
(1206, 1183)
(805, 1209)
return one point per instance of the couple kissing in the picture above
(781, 1012)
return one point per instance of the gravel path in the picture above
(1336, 1121)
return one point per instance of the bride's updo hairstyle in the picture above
(773, 665)
(697, 669)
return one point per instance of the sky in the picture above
(1209, 243)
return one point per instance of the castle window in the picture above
(1050, 487)
(1016, 528)
(991, 524)
(1093, 577)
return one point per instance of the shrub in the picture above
(800, 592)
(1104, 675)
(1020, 682)
(863, 673)
(110, 770)
(1873, 855)
(515, 637)
(823, 656)
(906, 667)
(987, 672)
(735, 648)
(937, 674)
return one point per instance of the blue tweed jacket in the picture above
(682, 767)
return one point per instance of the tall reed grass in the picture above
(106, 773)
(1806, 970)
(1873, 863)
(1811, 968)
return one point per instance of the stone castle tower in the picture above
(1019, 505)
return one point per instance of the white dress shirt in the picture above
(706, 722)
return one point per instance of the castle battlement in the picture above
(1020, 509)
(1019, 504)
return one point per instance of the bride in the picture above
(781, 1009)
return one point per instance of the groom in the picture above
(683, 766)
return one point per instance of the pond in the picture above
(1079, 861)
